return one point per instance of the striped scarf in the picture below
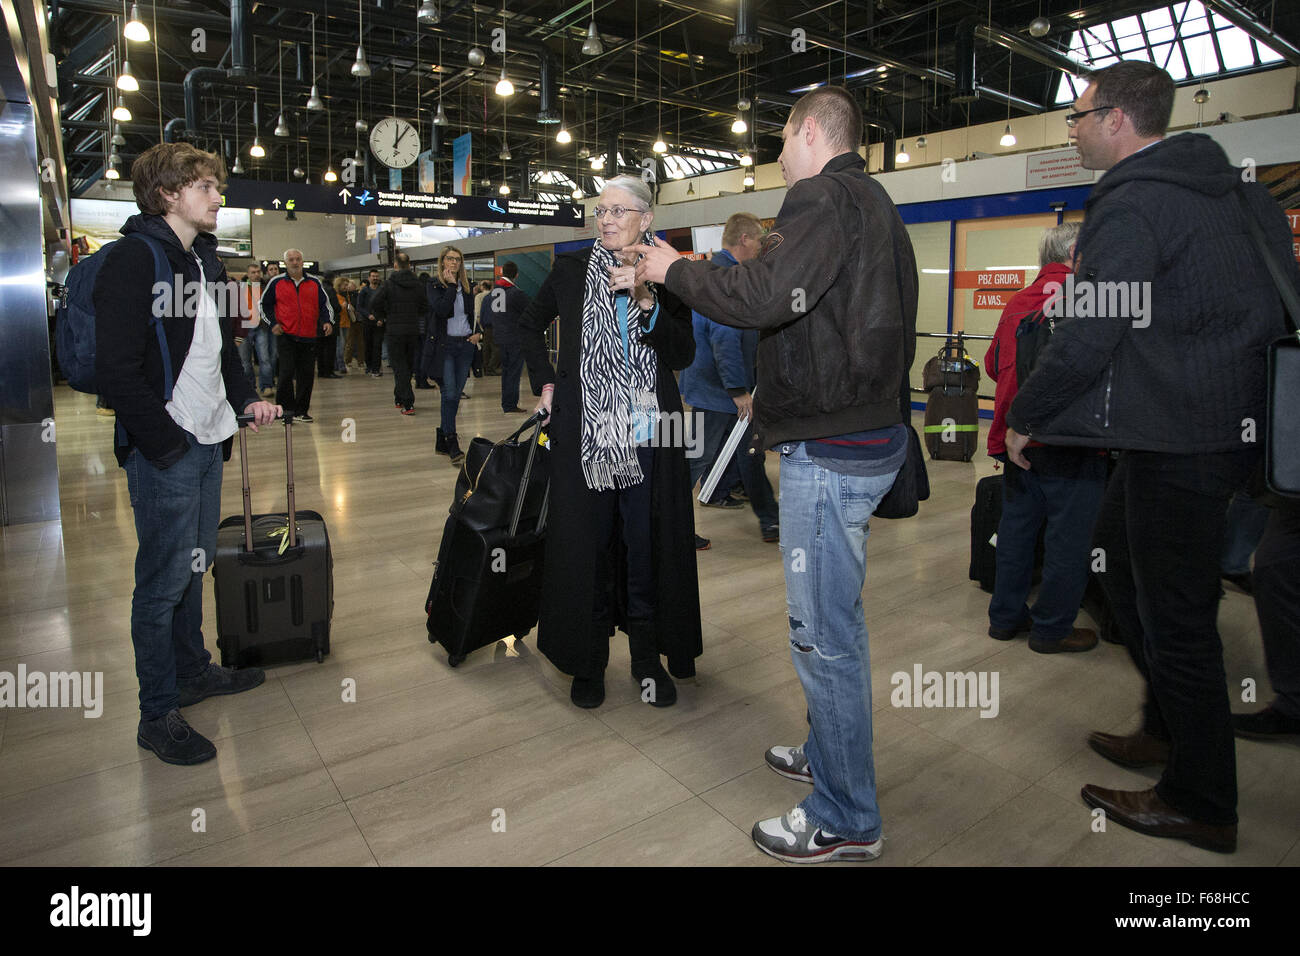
(618, 392)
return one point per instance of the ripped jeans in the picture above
(824, 518)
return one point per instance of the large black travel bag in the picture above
(487, 581)
(952, 412)
(985, 516)
(274, 583)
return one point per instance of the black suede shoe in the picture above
(174, 741)
(1008, 633)
(1266, 724)
(453, 449)
(588, 692)
(215, 681)
(440, 442)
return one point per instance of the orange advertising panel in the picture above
(988, 279)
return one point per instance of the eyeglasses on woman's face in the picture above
(618, 212)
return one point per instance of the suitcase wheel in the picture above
(455, 660)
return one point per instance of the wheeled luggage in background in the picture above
(952, 410)
(274, 582)
(487, 581)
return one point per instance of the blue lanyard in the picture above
(625, 327)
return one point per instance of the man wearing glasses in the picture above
(1179, 389)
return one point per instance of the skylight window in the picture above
(1178, 37)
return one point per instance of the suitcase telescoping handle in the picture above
(245, 420)
(535, 422)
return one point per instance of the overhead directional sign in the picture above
(301, 197)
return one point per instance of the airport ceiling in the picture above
(670, 68)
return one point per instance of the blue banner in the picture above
(462, 151)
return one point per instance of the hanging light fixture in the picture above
(739, 125)
(259, 212)
(902, 156)
(505, 151)
(330, 176)
(120, 111)
(1008, 137)
(281, 127)
(584, 152)
(504, 189)
(592, 45)
(126, 81)
(504, 86)
(577, 192)
(313, 98)
(360, 67)
(659, 145)
(135, 29)
(361, 125)
(440, 118)
(746, 159)
(428, 12)
(563, 137)
(112, 173)
(748, 180)
(118, 138)
(299, 172)
(257, 151)
(237, 168)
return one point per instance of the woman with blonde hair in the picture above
(620, 545)
(347, 324)
(455, 340)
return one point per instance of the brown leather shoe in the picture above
(1134, 751)
(1079, 639)
(1145, 812)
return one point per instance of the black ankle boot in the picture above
(453, 449)
(588, 689)
(661, 691)
(440, 443)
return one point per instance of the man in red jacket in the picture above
(299, 309)
(1063, 489)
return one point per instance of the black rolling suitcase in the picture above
(487, 581)
(274, 583)
(952, 411)
(984, 517)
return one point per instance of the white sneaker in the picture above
(790, 838)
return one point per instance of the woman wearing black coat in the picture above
(620, 546)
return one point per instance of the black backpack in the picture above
(1032, 335)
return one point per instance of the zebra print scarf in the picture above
(619, 405)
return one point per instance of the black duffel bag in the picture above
(490, 476)
(912, 486)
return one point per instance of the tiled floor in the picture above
(490, 763)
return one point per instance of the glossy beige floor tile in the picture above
(689, 834)
(327, 837)
(143, 812)
(552, 794)
(427, 752)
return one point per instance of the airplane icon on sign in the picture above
(365, 197)
(494, 206)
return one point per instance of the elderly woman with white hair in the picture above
(620, 547)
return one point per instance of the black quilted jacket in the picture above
(1183, 378)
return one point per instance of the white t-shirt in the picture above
(198, 402)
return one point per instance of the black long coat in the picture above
(573, 557)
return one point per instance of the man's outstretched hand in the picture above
(263, 413)
(655, 260)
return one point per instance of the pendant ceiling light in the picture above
(748, 181)
(563, 137)
(505, 152)
(577, 192)
(1008, 137)
(592, 45)
(126, 82)
(361, 125)
(746, 159)
(112, 173)
(313, 98)
(739, 125)
(360, 67)
(504, 189)
(281, 127)
(504, 86)
(237, 169)
(135, 29)
(330, 176)
(440, 118)
(257, 151)
(118, 138)
(597, 162)
(903, 156)
(660, 146)
(120, 111)
(428, 12)
(299, 172)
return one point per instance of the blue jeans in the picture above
(824, 518)
(1069, 506)
(262, 341)
(1246, 521)
(457, 355)
(176, 514)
